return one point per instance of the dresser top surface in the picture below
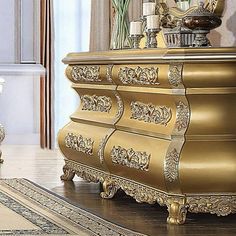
(152, 55)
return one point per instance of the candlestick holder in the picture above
(151, 38)
(135, 40)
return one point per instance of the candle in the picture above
(135, 28)
(149, 8)
(153, 22)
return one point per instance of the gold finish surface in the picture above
(159, 124)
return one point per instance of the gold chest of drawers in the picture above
(159, 124)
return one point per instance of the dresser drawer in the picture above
(137, 157)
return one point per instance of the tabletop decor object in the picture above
(201, 21)
(120, 31)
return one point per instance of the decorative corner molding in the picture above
(219, 205)
(96, 103)
(120, 107)
(86, 73)
(109, 73)
(130, 158)
(102, 145)
(171, 166)
(138, 75)
(150, 113)
(175, 74)
(183, 116)
(79, 143)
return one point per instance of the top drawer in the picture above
(145, 75)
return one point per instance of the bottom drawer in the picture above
(137, 157)
(84, 143)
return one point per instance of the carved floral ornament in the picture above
(183, 116)
(220, 205)
(150, 113)
(171, 166)
(86, 73)
(96, 103)
(175, 74)
(79, 143)
(130, 158)
(138, 75)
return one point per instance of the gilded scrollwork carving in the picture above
(171, 166)
(150, 113)
(130, 158)
(183, 115)
(120, 107)
(139, 76)
(96, 103)
(102, 145)
(109, 189)
(109, 73)
(219, 205)
(79, 143)
(175, 74)
(86, 73)
(177, 212)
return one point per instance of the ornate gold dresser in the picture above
(159, 124)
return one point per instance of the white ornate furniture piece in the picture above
(159, 124)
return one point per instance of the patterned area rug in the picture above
(27, 209)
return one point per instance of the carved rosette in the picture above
(79, 143)
(109, 73)
(130, 158)
(171, 166)
(96, 103)
(219, 205)
(183, 116)
(139, 76)
(86, 73)
(175, 74)
(150, 113)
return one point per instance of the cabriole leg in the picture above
(177, 213)
(68, 174)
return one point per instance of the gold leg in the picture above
(109, 189)
(177, 213)
(68, 174)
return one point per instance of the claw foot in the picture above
(109, 189)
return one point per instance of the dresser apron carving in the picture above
(155, 123)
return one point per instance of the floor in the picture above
(45, 167)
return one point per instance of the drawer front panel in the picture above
(84, 143)
(137, 157)
(103, 106)
(95, 74)
(154, 114)
(149, 75)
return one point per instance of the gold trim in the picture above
(86, 73)
(138, 75)
(219, 205)
(175, 74)
(171, 166)
(183, 116)
(96, 103)
(130, 158)
(79, 143)
(150, 113)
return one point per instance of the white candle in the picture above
(149, 8)
(153, 22)
(135, 28)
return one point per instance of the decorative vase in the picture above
(120, 32)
